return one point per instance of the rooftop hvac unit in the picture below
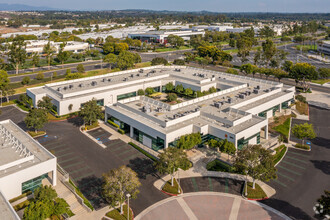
(241, 96)
(81, 85)
(217, 105)
(141, 71)
(258, 87)
(103, 80)
(70, 86)
(255, 91)
(94, 83)
(152, 71)
(230, 100)
(65, 88)
(132, 75)
(125, 79)
(109, 80)
(266, 90)
(59, 89)
(138, 74)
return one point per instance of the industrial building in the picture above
(238, 111)
(324, 47)
(24, 163)
(161, 36)
(37, 46)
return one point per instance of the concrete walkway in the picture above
(199, 170)
(209, 205)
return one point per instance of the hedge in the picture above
(86, 202)
(218, 165)
(20, 197)
(302, 146)
(113, 124)
(280, 151)
(121, 131)
(143, 151)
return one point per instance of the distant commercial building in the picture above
(24, 163)
(37, 46)
(161, 36)
(238, 111)
(324, 47)
(212, 28)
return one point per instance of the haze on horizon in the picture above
(285, 6)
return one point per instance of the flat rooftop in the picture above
(7, 212)
(18, 150)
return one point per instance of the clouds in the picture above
(186, 5)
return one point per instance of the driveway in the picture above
(303, 176)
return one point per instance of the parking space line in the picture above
(78, 170)
(86, 175)
(132, 156)
(291, 171)
(72, 164)
(210, 184)
(293, 158)
(61, 150)
(226, 186)
(55, 146)
(124, 152)
(276, 181)
(194, 184)
(285, 176)
(72, 158)
(63, 155)
(53, 143)
(292, 164)
(306, 156)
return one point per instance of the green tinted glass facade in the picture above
(156, 143)
(241, 143)
(32, 184)
(125, 96)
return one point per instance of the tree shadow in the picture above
(91, 187)
(324, 166)
(322, 142)
(143, 167)
(76, 121)
(286, 208)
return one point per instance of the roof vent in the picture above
(94, 83)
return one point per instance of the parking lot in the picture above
(211, 184)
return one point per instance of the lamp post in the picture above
(128, 196)
(246, 182)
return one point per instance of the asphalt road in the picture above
(307, 173)
(92, 65)
(169, 56)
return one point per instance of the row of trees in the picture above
(123, 61)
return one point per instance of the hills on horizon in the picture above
(22, 7)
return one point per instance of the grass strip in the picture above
(256, 193)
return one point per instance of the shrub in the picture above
(218, 165)
(121, 131)
(113, 124)
(80, 68)
(280, 151)
(55, 74)
(68, 71)
(178, 62)
(301, 98)
(232, 71)
(302, 146)
(140, 92)
(158, 61)
(142, 151)
(149, 91)
(172, 97)
(40, 76)
(26, 80)
(212, 90)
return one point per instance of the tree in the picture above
(80, 68)
(36, 119)
(244, 46)
(189, 141)
(120, 47)
(45, 103)
(267, 32)
(63, 56)
(169, 87)
(286, 66)
(257, 57)
(188, 91)
(40, 76)
(268, 51)
(179, 62)
(90, 112)
(212, 89)
(4, 85)
(171, 160)
(175, 40)
(303, 72)
(17, 54)
(125, 60)
(248, 68)
(158, 61)
(324, 73)
(149, 91)
(35, 60)
(179, 88)
(303, 131)
(324, 204)
(257, 162)
(280, 74)
(172, 97)
(140, 92)
(110, 58)
(119, 182)
(49, 51)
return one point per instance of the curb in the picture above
(287, 148)
(170, 194)
(252, 199)
(62, 119)
(40, 135)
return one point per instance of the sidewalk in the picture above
(199, 170)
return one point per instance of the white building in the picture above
(238, 111)
(24, 163)
(161, 36)
(37, 46)
(324, 47)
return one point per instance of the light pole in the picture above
(128, 195)
(246, 182)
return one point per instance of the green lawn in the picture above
(172, 49)
(321, 81)
(284, 128)
(306, 48)
(35, 134)
(280, 151)
(115, 214)
(256, 193)
(171, 189)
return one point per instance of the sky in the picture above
(186, 5)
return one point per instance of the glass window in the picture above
(125, 96)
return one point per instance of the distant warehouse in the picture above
(237, 110)
(161, 36)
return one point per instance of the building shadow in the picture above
(143, 167)
(91, 187)
(76, 121)
(322, 165)
(286, 208)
